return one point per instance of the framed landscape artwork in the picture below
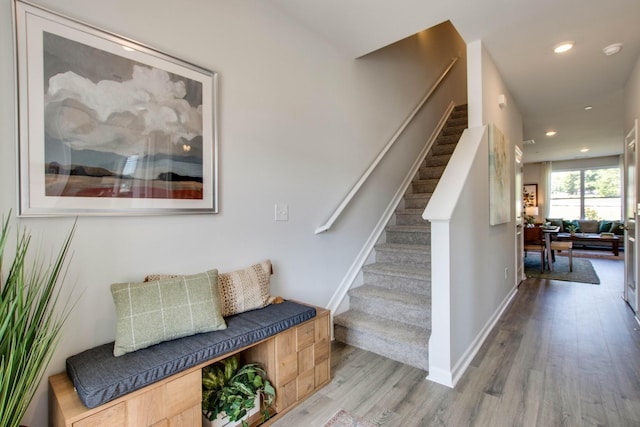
(499, 177)
(109, 126)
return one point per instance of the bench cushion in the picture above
(99, 377)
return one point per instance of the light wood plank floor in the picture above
(564, 354)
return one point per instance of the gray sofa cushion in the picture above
(99, 377)
(588, 226)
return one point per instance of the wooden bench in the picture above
(297, 362)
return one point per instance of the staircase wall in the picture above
(469, 286)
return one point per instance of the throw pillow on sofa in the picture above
(149, 313)
(617, 227)
(588, 226)
(604, 226)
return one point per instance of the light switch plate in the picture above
(282, 212)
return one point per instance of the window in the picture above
(586, 194)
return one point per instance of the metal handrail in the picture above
(327, 225)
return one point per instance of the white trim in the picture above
(356, 266)
(463, 363)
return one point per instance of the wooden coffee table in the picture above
(587, 238)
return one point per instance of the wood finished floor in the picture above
(563, 354)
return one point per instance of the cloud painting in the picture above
(117, 128)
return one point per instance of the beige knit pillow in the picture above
(244, 290)
(240, 290)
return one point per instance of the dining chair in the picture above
(534, 242)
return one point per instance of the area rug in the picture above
(597, 253)
(583, 270)
(344, 418)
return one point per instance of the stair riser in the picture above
(396, 312)
(443, 150)
(406, 284)
(410, 259)
(410, 219)
(407, 237)
(453, 130)
(418, 357)
(416, 203)
(431, 172)
(457, 121)
(436, 161)
(447, 140)
(424, 186)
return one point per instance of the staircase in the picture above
(390, 314)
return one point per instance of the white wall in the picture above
(632, 97)
(487, 250)
(299, 123)
(478, 254)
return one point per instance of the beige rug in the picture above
(346, 419)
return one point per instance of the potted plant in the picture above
(232, 392)
(571, 228)
(30, 324)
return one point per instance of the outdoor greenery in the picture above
(586, 193)
(597, 182)
(30, 325)
(232, 391)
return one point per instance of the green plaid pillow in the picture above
(152, 312)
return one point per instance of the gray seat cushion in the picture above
(99, 377)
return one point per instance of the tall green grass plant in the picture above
(30, 323)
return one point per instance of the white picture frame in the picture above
(109, 126)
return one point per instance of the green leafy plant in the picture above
(571, 228)
(30, 325)
(231, 390)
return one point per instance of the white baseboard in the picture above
(450, 379)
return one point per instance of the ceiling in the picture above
(550, 90)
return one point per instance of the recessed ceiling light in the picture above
(612, 49)
(588, 107)
(584, 150)
(551, 133)
(563, 47)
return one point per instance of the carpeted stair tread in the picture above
(454, 130)
(399, 332)
(458, 121)
(408, 299)
(413, 254)
(447, 139)
(417, 195)
(422, 249)
(433, 181)
(397, 270)
(410, 216)
(426, 228)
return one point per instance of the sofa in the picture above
(589, 227)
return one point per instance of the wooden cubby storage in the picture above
(297, 362)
